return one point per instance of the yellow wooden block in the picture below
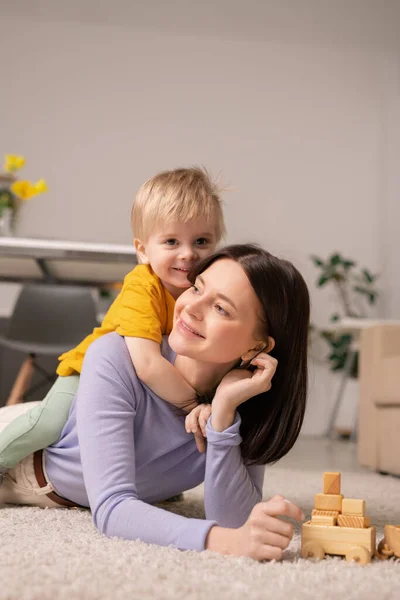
(324, 513)
(328, 502)
(353, 506)
(331, 483)
(353, 521)
(324, 519)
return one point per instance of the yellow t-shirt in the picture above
(143, 308)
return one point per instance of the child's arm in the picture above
(158, 374)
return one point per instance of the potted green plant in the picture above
(356, 292)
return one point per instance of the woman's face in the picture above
(217, 320)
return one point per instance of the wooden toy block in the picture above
(352, 506)
(331, 483)
(324, 513)
(353, 521)
(349, 534)
(355, 544)
(324, 519)
(329, 502)
(390, 544)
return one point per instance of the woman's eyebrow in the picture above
(219, 294)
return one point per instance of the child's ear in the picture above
(140, 251)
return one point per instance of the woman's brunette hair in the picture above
(271, 421)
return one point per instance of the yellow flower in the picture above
(40, 186)
(23, 189)
(13, 162)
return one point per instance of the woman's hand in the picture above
(264, 536)
(238, 386)
(196, 422)
(241, 384)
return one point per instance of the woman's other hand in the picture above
(264, 536)
(196, 422)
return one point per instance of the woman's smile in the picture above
(187, 330)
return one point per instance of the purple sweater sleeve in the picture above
(231, 489)
(106, 411)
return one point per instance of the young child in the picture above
(177, 220)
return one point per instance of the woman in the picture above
(123, 448)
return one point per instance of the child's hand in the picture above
(196, 422)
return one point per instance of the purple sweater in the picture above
(124, 448)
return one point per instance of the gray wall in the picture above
(291, 101)
(297, 103)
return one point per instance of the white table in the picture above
(28, 259)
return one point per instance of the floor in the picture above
(322, 454)
(59, 554)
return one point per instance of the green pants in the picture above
(39, 427)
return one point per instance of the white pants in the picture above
(20, 486)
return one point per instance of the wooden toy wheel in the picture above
(313, 550)
(360, 554)
(383, 550)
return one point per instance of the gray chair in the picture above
(47, 320)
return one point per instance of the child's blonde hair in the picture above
(178, 195)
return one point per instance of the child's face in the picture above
(172, 250)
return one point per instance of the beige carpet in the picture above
(57, 555)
